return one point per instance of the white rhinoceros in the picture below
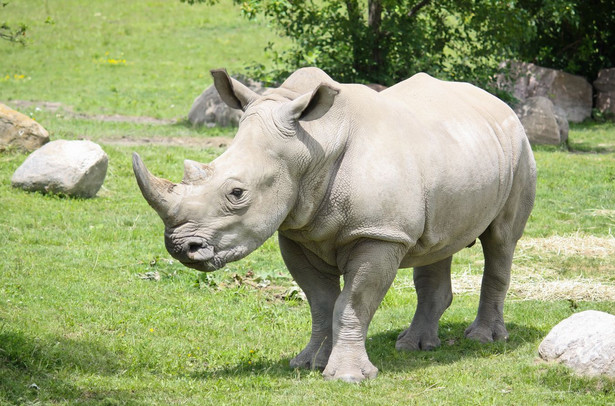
(358, 184)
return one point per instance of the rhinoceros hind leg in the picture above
(321, 290)
(489, 323)
(433, 289)
(499, 241)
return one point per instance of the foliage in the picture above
(386, 41)
(574, 35)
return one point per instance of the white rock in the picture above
(74, 168)
(584, 342)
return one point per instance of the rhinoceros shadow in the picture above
(454, 347)
(30, 364)
(381, 349)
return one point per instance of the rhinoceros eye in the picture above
(237, 192)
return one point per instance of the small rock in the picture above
(584, 342)
(74, 168)
(543, 122)
(20, 131)
(152, 276)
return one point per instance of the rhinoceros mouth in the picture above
(219, 260)
(204, 266)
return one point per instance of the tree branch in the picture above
(417, 7)
(8, 34)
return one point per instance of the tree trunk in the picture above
(374, 22)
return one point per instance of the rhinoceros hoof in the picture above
(410, 340)
(350, 370)
(311, 358)
(352, 375)
(486, 333)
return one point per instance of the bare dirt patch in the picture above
(69, 111)
(196, 142)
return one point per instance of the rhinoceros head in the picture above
(224, 210)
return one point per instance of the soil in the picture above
(197, 142)
(68, 111)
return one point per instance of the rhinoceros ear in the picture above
(312, 106)
(233, 93)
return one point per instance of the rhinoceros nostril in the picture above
(198, 250)
(194, 246)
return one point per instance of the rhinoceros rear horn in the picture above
(195, 172)
(158, 192)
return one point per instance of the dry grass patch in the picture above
(534, 274)
(574, 245)
(538, 287)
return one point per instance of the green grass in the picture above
(146, 57)
(78, 320)
(82, 319)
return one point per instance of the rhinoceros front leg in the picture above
(434, 294)
(368, 274)
(321, 290)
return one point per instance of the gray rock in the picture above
(570, 92)
(543, 122)
(19, 131)
(376, 86)
(605, 91)
(584, 342)
(74, 168)
(208, 109)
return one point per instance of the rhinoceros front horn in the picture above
(158, 192)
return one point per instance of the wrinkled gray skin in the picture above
(359, 184)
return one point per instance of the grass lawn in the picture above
(83, 317)
(94, 311)
(144, 57)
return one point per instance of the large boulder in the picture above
(571, 93)
(584, 342)
(209, 110)
(20, 132)
(74, 168)
(605, 91)
(544, 123)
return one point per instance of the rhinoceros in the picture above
(359, 184)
